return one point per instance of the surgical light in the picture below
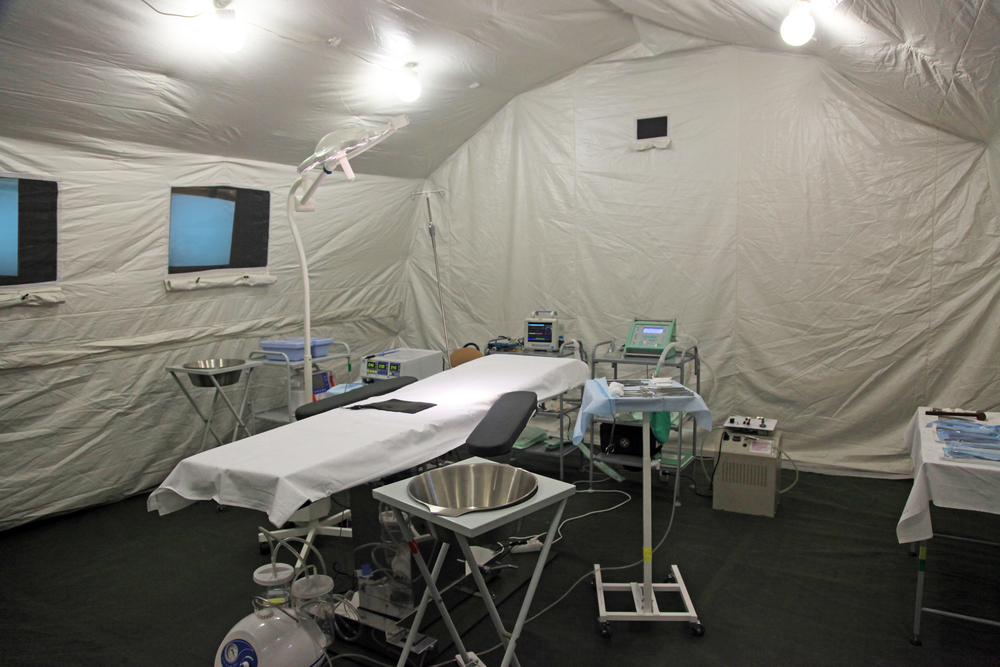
(228, 30)
(337, 147)
(799, 25)
(341, 145)
(407, 85)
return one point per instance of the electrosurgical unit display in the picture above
(402, 362)
(649, 338)
(542, 332)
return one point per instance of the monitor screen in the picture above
(652, 330)
(539, 332)
(215, 227)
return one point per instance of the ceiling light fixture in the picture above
(407, 85)
(799, 26)
(228, 30)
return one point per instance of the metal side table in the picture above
(470, 525)
(211, 374)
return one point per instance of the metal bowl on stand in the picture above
(225, 378)
(472, 487)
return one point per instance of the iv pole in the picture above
(426, 194)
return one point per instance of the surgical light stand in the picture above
(335, 148)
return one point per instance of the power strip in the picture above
(532, 545)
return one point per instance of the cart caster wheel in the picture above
(593, 584)
(670, 579)
(606, 630)
(697, 629)
(220, 508)
(265, 549)
(916, 642)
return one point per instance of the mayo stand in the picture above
(598, 401)
(549, 492)
(247, 366)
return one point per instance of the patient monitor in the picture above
(542, 331)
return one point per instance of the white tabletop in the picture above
(965, 485)
(475, 523)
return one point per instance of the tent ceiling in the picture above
(937, 61)
(99, 69)
(117, 69)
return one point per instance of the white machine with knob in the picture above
(277, 633)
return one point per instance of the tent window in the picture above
(218, 228)
(27, 231)
(651, 128)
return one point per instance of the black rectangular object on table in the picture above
(395, 405)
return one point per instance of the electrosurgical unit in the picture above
(402, 362)
(748, 474)
(542, 331)
(649, 337)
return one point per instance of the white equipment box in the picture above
(402, 362)
(748, 476)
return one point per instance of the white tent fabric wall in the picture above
(833, 256)
(87, 412)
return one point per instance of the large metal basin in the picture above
(224, 378)
(472, 487)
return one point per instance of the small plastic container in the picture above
(293, 348)
(313, 596)
(275, 580)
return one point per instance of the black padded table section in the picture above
(497, 432)
(377, 388)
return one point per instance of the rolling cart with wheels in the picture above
(598, 401)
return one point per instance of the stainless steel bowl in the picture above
(226, 378)
(472, 487)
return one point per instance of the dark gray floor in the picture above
(822, 583)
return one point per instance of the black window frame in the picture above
(37, 232)
(251, 229)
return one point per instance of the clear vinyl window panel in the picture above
(28, 231)
(218, 228)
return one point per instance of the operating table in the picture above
(281, 470)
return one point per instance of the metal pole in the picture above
(437, 275)
(647, 520)
(918, 607)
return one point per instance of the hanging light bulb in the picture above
(407, 86)
(798, 26)
(228, 31)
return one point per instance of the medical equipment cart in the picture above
(468, 526)
(286, 414)
(616, 356)
(212, 374)
(598, 401)
(567, 406)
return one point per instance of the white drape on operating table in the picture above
(279, 470)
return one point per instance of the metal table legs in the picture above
(431, 592)
(919, 607)
(211, 411)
